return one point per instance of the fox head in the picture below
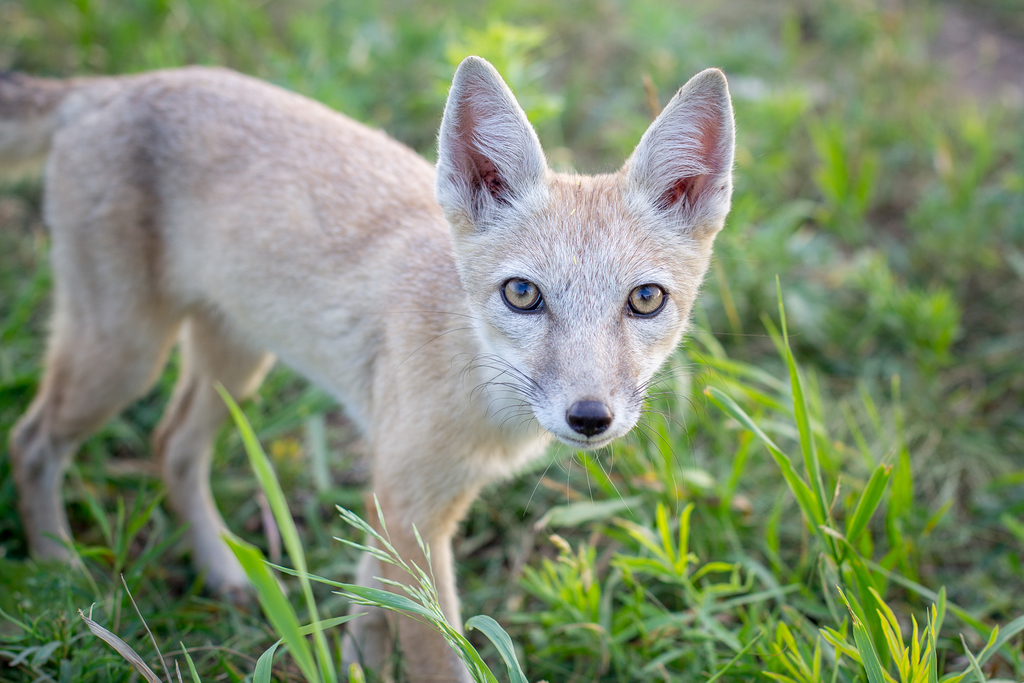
(581, 286)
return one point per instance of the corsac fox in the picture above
(463, 315)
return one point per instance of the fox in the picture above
(464, 314)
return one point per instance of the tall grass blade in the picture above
(274, 603)
(152, 638)
(191, 665)
(428, 614)
(139, 518)
(975, 666)
(858, 435)
(497, 635)
(802, 492)
(902, 497)
(731, 662)
(356, 673)
(865, 647)
(265, 665)
(420, 602)
(932, 646)
(997, 640)
(289, 534)
(803, 423)
(868, 502)
(940, 609)
(961, 614)
(398, 603)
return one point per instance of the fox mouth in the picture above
(620, 427)
(591, 444)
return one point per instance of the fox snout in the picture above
(589, 418)
(592, 387)
(601, 413)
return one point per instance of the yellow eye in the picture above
(646, 300)
(521, 295)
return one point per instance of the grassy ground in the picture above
(886, 195)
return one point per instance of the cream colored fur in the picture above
(242, 220)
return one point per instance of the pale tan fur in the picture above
(242, 220)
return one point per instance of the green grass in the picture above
(878, 451)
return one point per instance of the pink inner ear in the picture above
(684, 187)
(486, 176)
(691, 187)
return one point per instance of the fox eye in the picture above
(646, 300)
(521, 295)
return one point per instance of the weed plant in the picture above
(826, 486)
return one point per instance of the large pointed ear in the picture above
(682, 168)
(488, 157)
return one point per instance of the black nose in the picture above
(588, 417)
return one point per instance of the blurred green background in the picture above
(879, 175)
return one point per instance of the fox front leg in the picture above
(426, 655)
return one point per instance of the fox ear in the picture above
(682, 168)
(488, 155)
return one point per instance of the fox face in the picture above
(580, 286)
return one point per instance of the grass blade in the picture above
(803, 493)
(497, 635)
(377, 597)
(265, 665)
(728, 665)
(289, 534)
(975, 666)
(803, 423)
(146, 626)
(939, 598)
(123, 648)
(865, 646)
(191, 664)
(868, 502)
(274, 603)
(1005, 634)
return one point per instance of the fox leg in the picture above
(102, 354)
(183, 440)
(370, 639)
(405, 503)
(427, 657)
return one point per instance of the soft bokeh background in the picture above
(880, 176)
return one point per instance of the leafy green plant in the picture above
(846, 177)
(916, 661)
(922, 324)
(615, 613)
(878, 636)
